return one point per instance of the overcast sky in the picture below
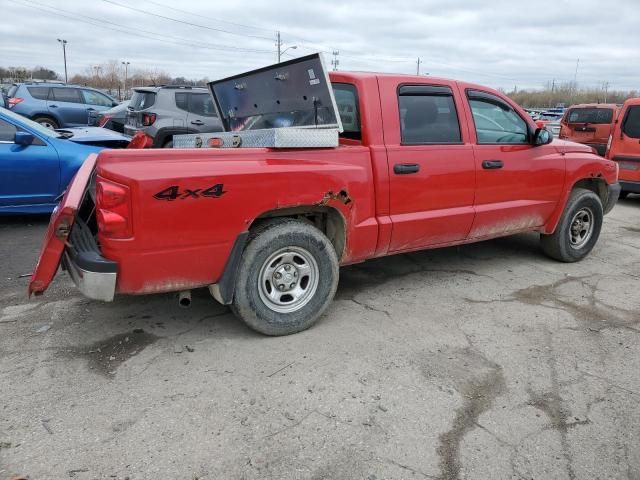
(500, 43)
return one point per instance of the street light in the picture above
(126, 67)
(293, 47)
(64, 53)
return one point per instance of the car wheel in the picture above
(168, 144)
(578, 229)
(47, 122)
(287, 277)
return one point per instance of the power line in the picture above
(137, 33)
(185, 12)
(147, 12)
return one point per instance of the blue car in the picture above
(56, 105)
(37, 163)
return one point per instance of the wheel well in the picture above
(45, 115)
(326, 219)
(596, 185)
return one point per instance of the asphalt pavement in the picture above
(486, 361)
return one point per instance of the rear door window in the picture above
(41, 93)
(142, 100)
(202, 104)
(590, 115)
(70, 95)
(182, 101)
(347, 102)
(428, 115)
(631, 125)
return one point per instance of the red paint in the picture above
(625, 150)
(184, 243)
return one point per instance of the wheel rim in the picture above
(581, 228)
(47, 124)
(288, 279)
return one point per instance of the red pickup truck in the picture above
(421, 163)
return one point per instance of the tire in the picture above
(47, 122)
(623, 195)
(168, 144)
(285, 254)
(578, 229)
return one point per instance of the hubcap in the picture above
(288, 279)
(581, 228)
(46, 124)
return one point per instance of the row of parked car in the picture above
(159, 112)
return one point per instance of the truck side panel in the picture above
(188, 209)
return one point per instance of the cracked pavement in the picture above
(486, 361)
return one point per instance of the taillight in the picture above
(140, 140)
(148, 119)
(103, 121)
(14, 101)
(113, 209)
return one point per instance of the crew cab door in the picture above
(431, 165)
(518, 184)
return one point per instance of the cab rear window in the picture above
(347, 102)
(142, 100)
(590, 115)
(631, 125)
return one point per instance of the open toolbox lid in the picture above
(296, 93)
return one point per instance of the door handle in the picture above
(492, 164)
(91, 109)
(405, 168)
(197, 122)
(53, 106)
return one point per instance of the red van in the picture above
(589, 123)
(624, 146)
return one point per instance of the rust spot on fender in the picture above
(342, 196)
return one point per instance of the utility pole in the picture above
(64, 53)
(126, 68)
(605, 85)
(335, 62)
(553, 85)
(418, 67)
(278, 44)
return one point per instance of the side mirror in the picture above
(542, 136)
(23, 138)
(114, 104)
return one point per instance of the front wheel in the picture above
(47, 122)
(287, 278)
(578, 229)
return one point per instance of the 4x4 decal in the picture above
(174, 193)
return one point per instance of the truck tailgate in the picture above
(60, 224)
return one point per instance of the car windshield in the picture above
(590, 115)
(31, 124)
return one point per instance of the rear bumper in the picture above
(94, 275)
(612, 196)
(632, 187)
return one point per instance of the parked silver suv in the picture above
(164, 111)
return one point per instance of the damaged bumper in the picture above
(94, 275)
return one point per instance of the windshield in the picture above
(590, 115)
(31, 124)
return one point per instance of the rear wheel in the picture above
(168, 144)
(578, 229)
(47, 122)
(287, 278)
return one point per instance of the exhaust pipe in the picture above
(184, 299)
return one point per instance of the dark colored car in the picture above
(56, 105)
(590, 124)
(113, 119)
(162, 112)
